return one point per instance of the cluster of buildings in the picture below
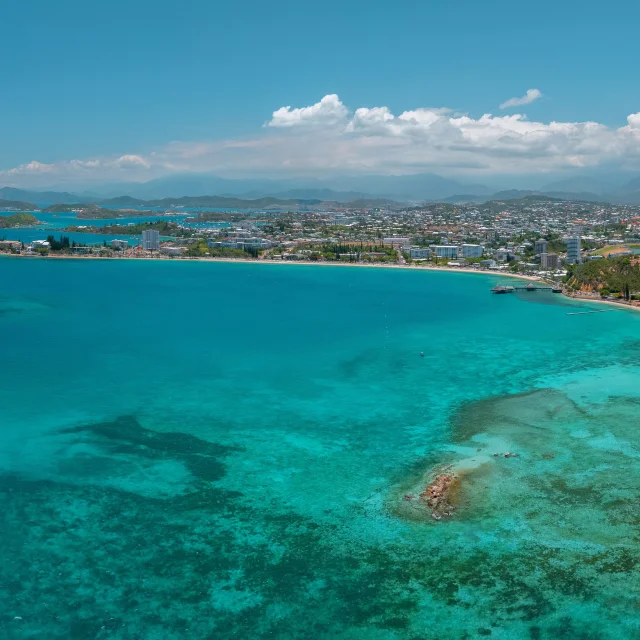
(490, 235)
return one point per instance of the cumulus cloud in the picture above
(531, 96)
(328, 138)
(634, 121)
(328, 111)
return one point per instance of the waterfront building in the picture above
(445, 250)
(254, 243)
(401, 241)
(120, 244)
(172, 251)
(150, 239)
(472, 250)
(540, 247)
(549, 261)
(574, 254)
(38, 244)
(419, 252)
(10, 244)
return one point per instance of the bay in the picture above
(193, 450)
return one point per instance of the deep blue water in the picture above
(209, 450)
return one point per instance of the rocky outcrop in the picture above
(437, 498)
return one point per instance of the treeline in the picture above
(163, 226)
(17, 220)
(62, 243)
(202, 250)
(618, 276)
(353, 252)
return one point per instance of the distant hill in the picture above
(631, 197)
(579, 184)
(39, 197)
(464, 198)
(367, 203)
(517, 194)
(220, 202)
(321, 194)
(17, 205)
(630, 187)
(93, 211)
(424, 186)
(18, 220)
(65, 208)
(195, 190)
(513, 194)
(126, 201)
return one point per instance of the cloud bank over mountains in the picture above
(329, 138)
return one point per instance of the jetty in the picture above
(530, 287)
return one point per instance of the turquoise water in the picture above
(53, 223)
(202, 450)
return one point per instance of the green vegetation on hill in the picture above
(18, 220)
(17, 205)
(93, 211)
(164, 227)
(201, 249)
(229, 203)
(65, 208)
(614, 275)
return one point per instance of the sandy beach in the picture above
(285, 262)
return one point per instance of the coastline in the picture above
(333, 264)
(285, 262)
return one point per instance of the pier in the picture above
(529, 287)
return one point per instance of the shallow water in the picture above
(201, 450)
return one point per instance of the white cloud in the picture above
(34, 173)
(30, 168)
(531, 96)
(328, 111)
(328, 138)
(634, 121)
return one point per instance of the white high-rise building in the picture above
(574, 254)
(420, 252)
(445, 250)
(472, 250)
(150, 239)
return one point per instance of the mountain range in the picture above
(407, 188)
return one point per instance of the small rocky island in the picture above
(437, 500)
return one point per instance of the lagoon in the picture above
(197, 449)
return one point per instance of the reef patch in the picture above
(126, 436)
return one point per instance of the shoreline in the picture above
(308, 263)
(285, 262)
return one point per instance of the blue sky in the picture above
(93, 81)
